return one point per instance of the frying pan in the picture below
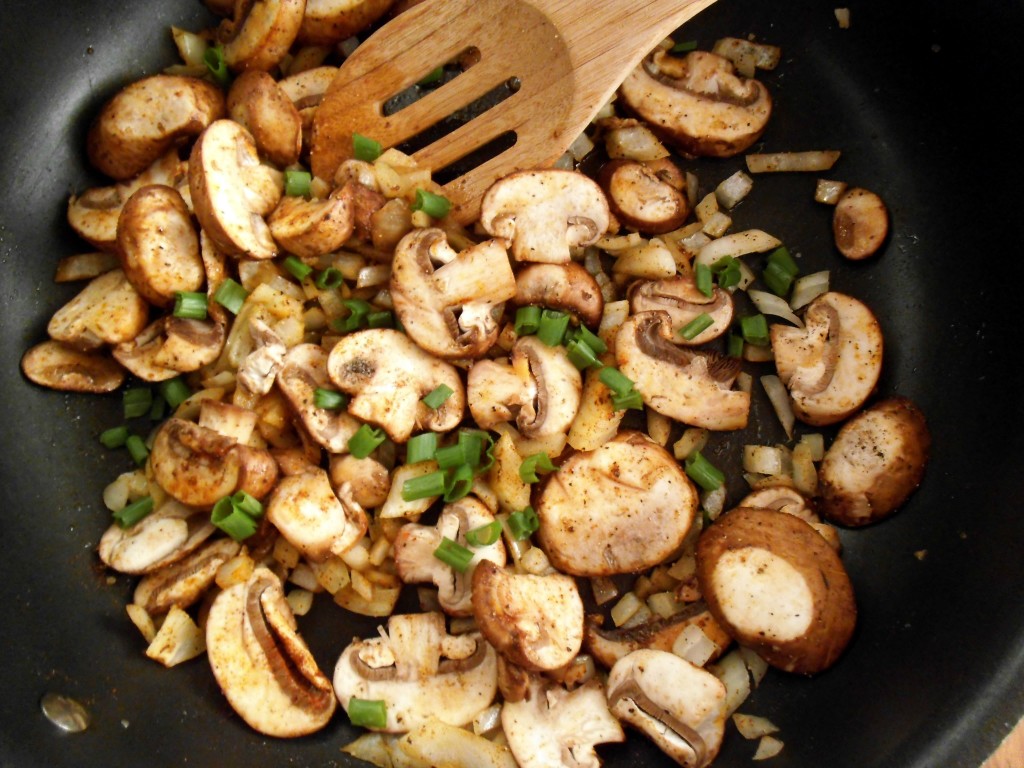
(922, 99)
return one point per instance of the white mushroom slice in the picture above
(168, 533)
(313, 518)
(684, 303)
(169, 346)
(258, 370)
(536, 622)
(57, 366)
(679, 706)
(698, 103)
(608, 645)
(107, 311)
(620, 508)
(311, 228)
(256, 101)
(388, 376)
(452, 310)
(640, 199)
(689, 385)
(303, 371)
(832, 365)
(260, 33)
(368, 480)
(306, 90)
(260, 662)
(415, 562)
(184, 581)
(860, 223)
(551, 727)
(567, 287)
(783, 498)
(199, 467)
(543, 214)
(419, 672)
(232, 191)
(148, 117)
(328, 22)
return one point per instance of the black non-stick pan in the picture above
(923, 100)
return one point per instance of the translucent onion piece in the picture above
(752, 726)
(770, 304)
(789, 162)
(780, 401)
(191, 47)
(731, 191)
(807, 288)
(828, 192)
(736, 245)
(694, 646)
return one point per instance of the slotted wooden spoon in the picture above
(568, 56)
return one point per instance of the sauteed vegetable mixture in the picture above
(333, 390)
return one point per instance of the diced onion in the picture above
(191, 47)
(634, 142)
(178, 640)
(843, 17)
(706, 208)
(694, 645)
(304, 577)
(717, 224)
(737, 244)
(770, 304)
(84, 266)
(692, 439)
(664, 604)
(807, 288)
(731, 670)
(534, 561)
(300, 601)
(733, 48)
(763, 459)
(756, 665)
(620, 243)
(767, 747)
(780, 401)
(142, 620)
(816, 443)
(487, 721)
(753, 726)
(828, 192)
(604, 589)
(792, 162)
(805, 476)
(713, 502)
(733, 189)
(373, 275)
(625, 609)
(581, 147)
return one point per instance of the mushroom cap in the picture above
(311, 228)
(58, 366)
(555, 389)
(185, 581)
(260, 33)
(313, 518)
(860, 223)
(545, 213)
(256, 101)
(831, 365)
(698, 103)
(168, 533)
(684, 302)
(328, 22)
(303, 370)
(620, 508)
(691, 386)
(108, 310)
(567, 287)
(640, 199)
(171, 345)
(784, 498)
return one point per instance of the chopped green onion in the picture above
(527, 320)
(735, 345)
(329, 279)
(703, 472)
(297, 182)
(232, 519)
(781, 258)
(552, 328)
(329, 399)
(137, 401)
(435, 206)
(190, 305)
(367, 713)
(230, 295)
(432, 77)
(684, 47)
(626, 400)
(158, 408)
(175, 391)
(618, 382)
(357, 313)
(114, 437)
(523, 523)
(365, 440)
(484, 535)
(697, 326)
(780, 271)
(727, 272)
(421, 447)
(213, 57)
(755, 330)
(424, 486)
(704, 279)
(472, 443)
(450, 456)
(132, 513)
(581, 355)
(534, 463)
(591, 339)
(298, 269)
(137, 449)
(459, 483)
(437, 397)
(454, 554)
(383, 319)
(247, 503)
(364, 148)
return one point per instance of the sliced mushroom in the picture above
(684, 303)
(258, 370)
(689, 385)
(860, 223)
(169, 346)
(306, 90)
(107, 311)
(832, 365)
(158, 245)
(368, 480)
(387, 376)
(184, 581)
(783, 498)
(58, 366)
(311, 228)
(415, 562)
(328, 22)
(199, 466)
(302, 372)
(567, 287)
(620, 508)
(148, 117)
(777, 587)
(232, 191)
(452, 310)
(640, 199)
(171, 531)
(555, 727)
(541, 389)
(679, 706)
(544, 214)
(876, 461)
(420, 672)
(260, 33)
(260, 662)
(698, 103)
(313, 518)
(257, 102)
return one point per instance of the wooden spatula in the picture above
(568, 57)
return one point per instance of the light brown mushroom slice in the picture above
(130, 133)
(832, 365)
(640, 199)
(567, 287)
(328, 22)
(168, 533)
(860, 223)
(256, 101)
(684, 303)
(698, 103)
(544, 214)
(57, 366)
(260, 662)
(313, 518)
(689, 385)
(185, 581)
(260, 33)
(306, 90)
(108, 310)
(620, 508)
(368, 480)
(169, 346)
(304, 370)
(311, 228)
(783, 498)
(232, 191)
(556, 387)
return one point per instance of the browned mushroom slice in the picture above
(692, 386)
(260, 33)
(302, 372)
(368, 479)
(170, 532)
(260, 662)
(129, 134)
(783, 498)
(328, 22)
(184, 581)
(107, 311)
(452, 310)
(567, 287)
(317, 521)
(832, 365)
(642, 200)
(311, 228)
(860, 223)
(57, 366)
(257, 102)
(684, 302)
(698, 103)
(169, 346)
(306, 90)
(621, 508)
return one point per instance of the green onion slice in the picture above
(459, 483)
(329, 399)
(329, 279)
(697, 326)
(484, 535)
(246, 503)
(527, 320)
(364, 148)
(704, 279)
(684, 47)
(230, 295)
(132, 513)
(114, 437)
(357, 313)
(435, 206)
(137, 449)
(232, 520)
(450, 456)
(213, 57)
(175, 391)
(383, 319)
(755, 330)
(471, 441)
(454, 554)
(137, 401)
(297, 182)
(581, 355)
(437, 397)
(190, 305)
(727, 272)
(158, 408)
(432, 77)
(553, 325)
(298, 269)
(591, 339)
(703, 472)
(783, 261)
(421, 447)
(618, 382)
(365, 441)
(534, 463)
(523, 523)
(735, 345)
(630, 399)
(367, 713)
(424, 486)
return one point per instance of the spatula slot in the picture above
(449, 70)
(476, 158)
